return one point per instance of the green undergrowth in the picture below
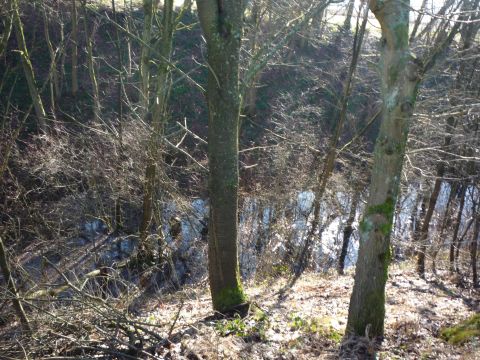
(250, 328)
(463, 332)
(319, 326)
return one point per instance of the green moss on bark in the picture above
(228, 298)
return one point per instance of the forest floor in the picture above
(306, 320)
(303, 320)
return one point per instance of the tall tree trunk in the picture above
(473, 249)
(74, 48)
(128, 20)
(465, 231)
(348, 18)
(159, 114)
(221, 22)
(418, 20)
(329, 161)
(91, 63)
(149, 9)
(12, 288)
(432, 202)
(445, 223)
(27, 68)
(348, 230)
(54, 81)
(456, 227)
(400, 79)
(7, 29)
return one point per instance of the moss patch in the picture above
(228, 298)
(463, 332)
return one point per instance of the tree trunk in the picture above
(221, 22)
(91, 64)
(149, 9)
(12, 288)
(423, 235)
(465, 231)
(347, 231)
(445, 223)
(348, 18)
(456, 228)
(399, 75)
(473, 249)
(329, 162)
(7, 29)
(74, 49)
(159, 115)
(27, 68)
(418, 21)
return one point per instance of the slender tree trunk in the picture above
(418, 20)
(461, 238)
(423, 235)
(7, 29)
(348, 18)
(149, 9)
(456, 227)
(91, 63)
(348, 230)
(445, 223)
(128, 19)
(74, 48)
(54, 81)
(439, 15)
(331, 156)
(473, 250)
(159, 114)
(27, 68)
(12, 288)
(400, 79)
(221, 22)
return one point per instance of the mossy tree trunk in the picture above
(27, 68)
(400, 79)
(221, 22)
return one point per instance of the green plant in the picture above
(463, 332)
(252, 328)
(318, 326)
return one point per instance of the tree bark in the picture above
(159, 115)
(149, 9)
(74, 49)
(432, 202)
(473, 250)
(221, 22)
(418, 21)
(28, 69)
(456, 228)
(91, 64)
(329, 161)
(12, 288)
(400, 79)
(347, 231)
